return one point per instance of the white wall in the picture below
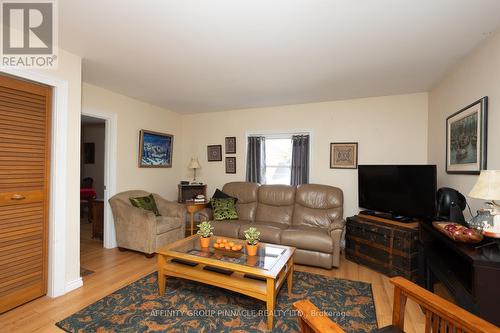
(476, 76)
(390, 130)
(132, 116)
(95, 133)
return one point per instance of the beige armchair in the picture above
(140, 230)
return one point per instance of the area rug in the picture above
(193, 307)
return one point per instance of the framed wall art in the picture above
(344, 155)
(466, 139)
(231, 145)
(230, 164)
(155, 149)
(214, 153)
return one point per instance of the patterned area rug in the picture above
(193, 307)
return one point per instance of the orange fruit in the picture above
(224, 240)
(240, 247)
(231, 244)
(219, 241)
(228, 247)
(234, 248)
(216, 245)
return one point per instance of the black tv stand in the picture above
(388, 216)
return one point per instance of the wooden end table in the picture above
(193, 207)
(270, 268)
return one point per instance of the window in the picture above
(278, 160)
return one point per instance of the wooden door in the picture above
(25, 110)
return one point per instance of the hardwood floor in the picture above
(114, 269)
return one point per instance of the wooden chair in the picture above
(440, 315)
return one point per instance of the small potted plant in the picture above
(205, 232)
(252, 236)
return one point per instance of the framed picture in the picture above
(344, 155)
(89, 153)
(231, 145)
(214, 153)
(155, 149)
(230, 164)
(466, 139)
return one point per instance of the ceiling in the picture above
(209, 55)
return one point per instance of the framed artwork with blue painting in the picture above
(155, 149)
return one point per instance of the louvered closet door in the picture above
(24, 188)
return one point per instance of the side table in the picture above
(193, 207)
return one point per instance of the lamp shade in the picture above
(487, 186)
(194, 164)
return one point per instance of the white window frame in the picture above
(285, 134)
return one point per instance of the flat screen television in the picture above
(400, 190)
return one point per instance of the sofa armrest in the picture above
(336, 224)
(135, 227)
(170, 208)
(205, 214)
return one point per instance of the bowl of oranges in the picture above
(224, 244)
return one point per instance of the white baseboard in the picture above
(75, 284)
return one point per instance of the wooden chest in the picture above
(386, 246)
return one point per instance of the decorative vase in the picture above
(252, 249)
(205, 242)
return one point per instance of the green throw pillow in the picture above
(224, 209)
(147, 203)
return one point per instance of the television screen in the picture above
(405, 190)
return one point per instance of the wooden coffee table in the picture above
(259, 276)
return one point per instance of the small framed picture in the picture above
(231, 145)
(344, 155)
(214, 153)
(230, 164)
(466, 139)
(155, 149)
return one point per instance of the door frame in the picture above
(110, 150)
(57, 284)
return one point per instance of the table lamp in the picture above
(487, 187)
(194, 164)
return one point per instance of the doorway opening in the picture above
(92, 185)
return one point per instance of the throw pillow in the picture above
(147, 203)
(224, 209)
(218, 194)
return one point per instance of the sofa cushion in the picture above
(275, 204)
(317, 205)
(146, 202)
(228, 228)
(166, 223)
(246, 193)
(270, 232)
(224, 209)
(307, 239)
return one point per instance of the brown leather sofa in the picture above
(308, 217)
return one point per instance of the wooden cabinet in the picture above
(24, 190)
(470, 272)
(96, 213)
(386, 246)
(189, 191)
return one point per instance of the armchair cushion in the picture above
(147, 203)
(165, 223)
